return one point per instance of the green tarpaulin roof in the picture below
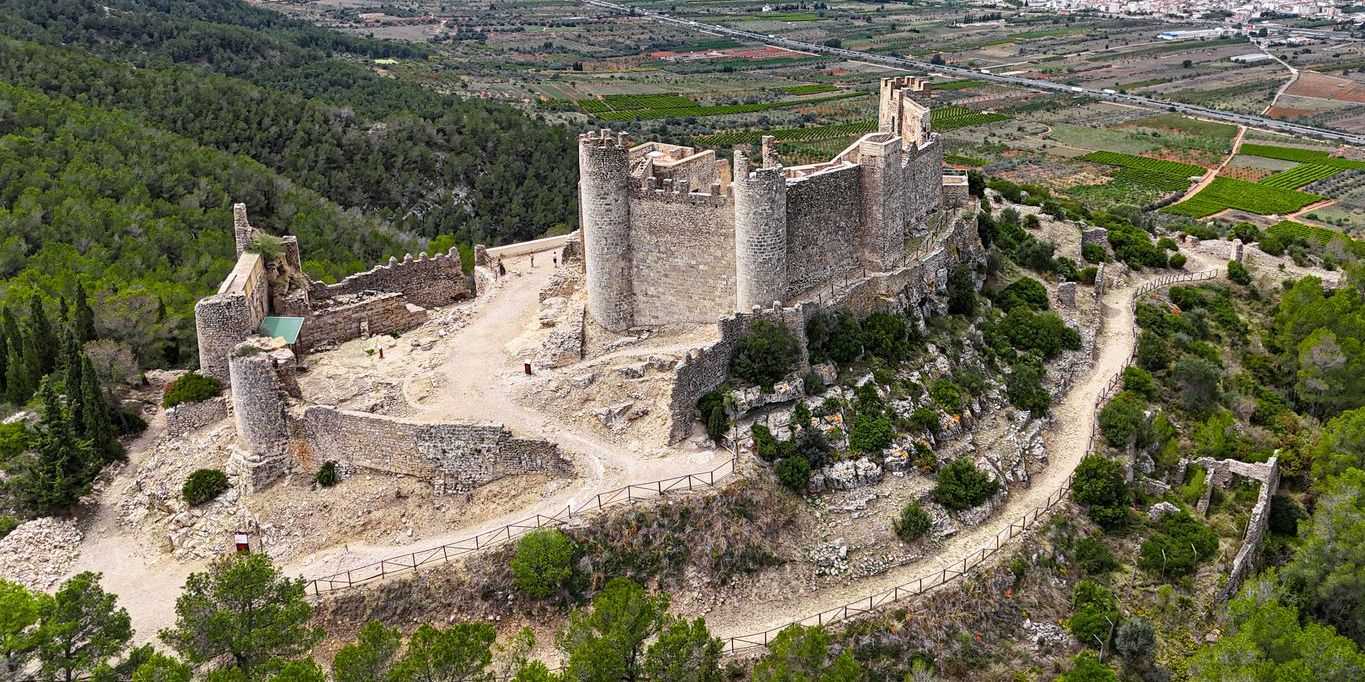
(286, 328)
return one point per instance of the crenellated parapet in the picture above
(427, 281)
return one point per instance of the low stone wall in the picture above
(187, 417)
(456, 457)
(533, 246)
(429, 282)
(362, 315)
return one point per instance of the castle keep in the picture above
(672, 234)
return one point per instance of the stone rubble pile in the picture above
(39, 553)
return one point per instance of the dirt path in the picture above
(1067, 439)
(1209, 176)
(1293, 77)
(478, 381)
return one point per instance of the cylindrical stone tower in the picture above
(604, 204)
(760, 235)
(259, 402)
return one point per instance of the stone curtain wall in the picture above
(227, 318)
(917, 287)
(683, 256)
(187, 417)
(457, 457)
(430, 282)
(924, 180)
(702, 370)
(367, 315)
(881, 244)
(822, 226)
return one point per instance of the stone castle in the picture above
(673, 234)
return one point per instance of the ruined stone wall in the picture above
(187, 417)
(430, 282)
(230, 316)
(260, 399)
(457, 457)
(683, 256)
(702, 370)
(359, 316)
(1220, 473)
(882, 236)
(822, 226)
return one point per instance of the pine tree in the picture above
(17, 386)
(59, 469)
(71, 366)
(84, 323)
(4, 364)
(43, 337)
(98, 427)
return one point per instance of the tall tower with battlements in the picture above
(760, 233)
(604, 203)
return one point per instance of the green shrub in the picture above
(1088, 275)
(765, 445)
(1086, 667)
(7, 525)
(961, 291)
(543, 565)
(204, 485)
(1095, 614)
(812, 445)
(1238, 273)
(1178, 546)
(835, 337)
(765, 355)
(947, 395)
(717, 423)
(1099, 485)
(924, 419)
(1094, 557)
(962, 486)
(913, 522)
(1024, 388)
(267, 245)
(1140, 381)
(1094, 253)
(811, 384)
(886, 336)
(1166, 244)
(1123, 419)
(1045, 333)
(327, 475)
(1025, 291)
(794, 473)
(1177, 261)
(871, 434)
(190, 387)
(1152, 352)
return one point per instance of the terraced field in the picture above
(833, 131)
(1224, 193)
(1300, 175)
(1312, 156)
(695, 110)
(954, 117)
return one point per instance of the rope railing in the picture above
(959, 568)
(411, 561)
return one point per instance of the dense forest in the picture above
(130, 127)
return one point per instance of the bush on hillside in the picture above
(1180, 543)
(327, 475)
(1024, 388)
(1100, 486)
(203, 486)
(1123, 420)
(912, 523)
(794, 473)
(543, 565)
(962, 486)
(191, 387)
(1094, 253)
(1025, 291)
(1095, 614)
(765, 355)
(1238, 273)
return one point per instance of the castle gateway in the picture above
(672, 234)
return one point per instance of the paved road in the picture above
(1030, 83)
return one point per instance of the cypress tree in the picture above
(63, 311)
(84, 324)
(73, 377)
(4, 363)
(59, 469)
(33, 364)
(17, 391)
(97, 425)
(44, 338)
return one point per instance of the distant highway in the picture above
(1030, 83)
